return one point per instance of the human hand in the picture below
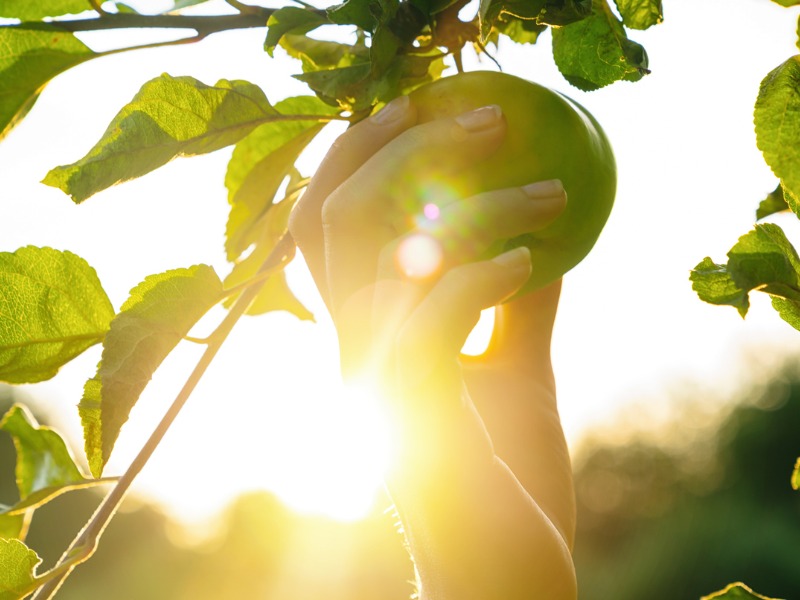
(473, 529)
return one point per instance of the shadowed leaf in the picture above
(30, 56)
(736, 591)
(773, 203)
(52, 308)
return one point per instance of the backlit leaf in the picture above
(713, 284)
(762, 260)
(787, 2)
(773, 203)
(777, 121)
(521, 31)
(290, 19)
(640, 14)
(45, 467)
(17, 569)
(30, 56)
(596, 51)
(26, 10)
(275, 294)
(260, 163)
(159, 312)
(796, 475)
(169, 117)
(52, 308)
(736, 591)
(355, 12)
(11, 526)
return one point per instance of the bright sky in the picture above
(270, 413)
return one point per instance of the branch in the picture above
(84, 545)
(202, 24)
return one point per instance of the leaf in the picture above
(275, 294)
(787, 2)
(11, 526)
(774, 202)
(762, 260)
(521, 31)
(260, 163)
(169, 117)
(45, 467)
(777, 121)
(17, 570)
(52, 308)
(596, 52)
(796, 475)
(355, 12)
(640, 14)
(713, 284)
(290, 19)
(158, 314)
(25, 10)
(30, 56)
(736, 591)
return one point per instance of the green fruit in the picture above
(549, 136)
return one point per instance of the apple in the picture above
(549, 136)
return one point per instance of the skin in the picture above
(481, 477)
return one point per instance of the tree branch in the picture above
(202, 24)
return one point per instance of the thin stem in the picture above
(84, 544)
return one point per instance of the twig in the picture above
(84, 544)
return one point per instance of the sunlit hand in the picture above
(475, 529)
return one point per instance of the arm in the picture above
(475, 528)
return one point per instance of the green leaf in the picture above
(777, 121)
(290, 19)
(774, 202)
(796, 475)
(260, 163)
(787, 2)
(275, 294)
(640, 14)
(45, 467)
(360, 13)
(25, 10)
(521, 31)
(52, 308)
(762, 260)
(713, 284)
(30, 56)
(158, 314)
(169, 117)
(765, 259)
(596, 52)
(12, 526)
(17, 570)
(736, 591)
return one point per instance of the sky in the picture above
(271, 412)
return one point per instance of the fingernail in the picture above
(544, 189)
(480, 118)
(518, 257)
(392, 111)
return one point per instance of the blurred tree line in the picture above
(660, 518)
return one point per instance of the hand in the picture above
(473, 528)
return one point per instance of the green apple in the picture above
(548, 136)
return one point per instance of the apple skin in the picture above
(549, 136)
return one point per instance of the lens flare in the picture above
(419, 256)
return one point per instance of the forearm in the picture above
(476, 534)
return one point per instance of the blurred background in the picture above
(683, 419)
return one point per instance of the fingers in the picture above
(432, 336)
(465, 230)
(348, 153)
(381, 198)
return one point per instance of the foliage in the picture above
(52, 305)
